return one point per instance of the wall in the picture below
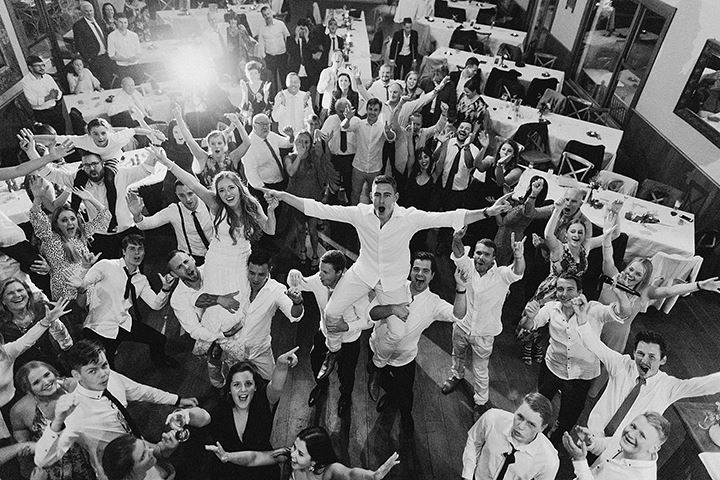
(693, 24)
(567, 22)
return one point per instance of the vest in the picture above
(81, 179)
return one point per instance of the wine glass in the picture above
(177, 421)
(708, 421)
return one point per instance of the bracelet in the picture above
(460, 291)
(485, 214)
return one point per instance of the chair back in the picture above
(660, 193)
(574, 166)
(545, 60)
(592, 153)
(503, 81)
(77, 121)
(442, 10)
(577, 107)
(673, 269)
(554, 99)
(465, 40)
(485, 16)
(458, 14)
(537, 88)
(617, 183)
(513, 52)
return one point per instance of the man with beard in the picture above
(454, 161)
(634, 458)
(385, 231)
(487, 289)
(419, 311)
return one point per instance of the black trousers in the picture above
(25, 254)
(104, 68)
(347, 361)
(399, 382)
(572, 399)
(277, 66)
(343, 165)
(403, 64)
(139, 333)
(53, 117)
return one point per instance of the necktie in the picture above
(332, 39)
(126, 418)
(131, 294)
(387, 92)
(415, 142)
(624, 408)
(277, 160)
(453, 168)
(343, 141)
(199, 229)
(509, 460)
(101, 37)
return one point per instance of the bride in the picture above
(238, 220)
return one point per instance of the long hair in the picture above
(71, 254)
(319, 447)
(34, 305)
(543, 193)
(247, 213)
(416, 169)
(516, 151)
(21, 377)
(647, 276)
(417, 82)
(242, 366)
(352, 96)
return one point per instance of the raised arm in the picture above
(188, 179)
(611, 228)
(608, 265)
(249, 458)
(338, 471)
(237, 154)
(500, 206)
(460, 302)
(554, 245)
(197, 151)
(709, 284)
(284, 362)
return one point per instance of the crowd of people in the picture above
(412, 165)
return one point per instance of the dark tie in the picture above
(332, 39)
(98, 32)
(387, 92)
(199, 229)
(624, 408)
(453, 168)
(277, 160)
(343, 141)
(415, 142)
(131, 294)
(126, 417)
(509, 460)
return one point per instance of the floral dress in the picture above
(212, 168)
(52, 248)
(472, 111)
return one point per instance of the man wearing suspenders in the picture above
(190, 218)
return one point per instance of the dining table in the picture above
(456, 60)
(561, 128)
(96, 104)
(16, 204)
(434, 32)
(472, 7)
(356, 40)
(650, 227)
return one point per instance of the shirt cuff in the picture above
(581, 467)
(468, 471)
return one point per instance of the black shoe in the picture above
(165, 361)
(327, 366)
(316, 393)
(372, 382)
(344, 407)
(383, 403)
(407, 424)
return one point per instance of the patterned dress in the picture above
(212, 168)
(567, 264)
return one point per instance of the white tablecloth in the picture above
(360, 50)
(440, 31)
(457, 59)
(93, 104)
(670, 235)
(471, 7)
(16, 205)
(561, 129)
(197, 22)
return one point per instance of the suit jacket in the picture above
(446, 95)
(86, 42)
(293, 54)
(326, 45)
(397, 41)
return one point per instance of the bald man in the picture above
(91, 43)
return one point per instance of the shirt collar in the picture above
(94, 394)
(532, 448)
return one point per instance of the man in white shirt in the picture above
(272, 37)
(292, 105)
(341, 144)
(43, 94)
(569, 366)
(331, 41)
(114, 288)
(503, 445)
(124, 48)
(371, 135)
(385, 230)
(354, 321)
(636, 384)
(252, 341)
(421, 308)
(329, 77)
(190, 218)
(454, 161)
(404, 50)
(95, 412)
(632, 456)
(262, 163)
(488, 287)
(380, 88)
(128, 106)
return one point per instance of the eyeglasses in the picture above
(88, 166)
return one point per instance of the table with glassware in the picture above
(650, 227)
(358, 48)
(96, 104)
(440, 30)
(561, 129)
(471, 7)
(16, 204)
(195, 21)
(456, 59)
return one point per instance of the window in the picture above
(618, 46)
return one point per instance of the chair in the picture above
(537, 88)
(695, 197)
(77, 122)
(660, 193)
(513, 53)
(592, 153)
(673, 269)
(458, 14)
(486, 16)
(466, 40)
(554, 99)
(499, 80)
(545, 60)
(574, 166)
(617, 183)
(578, 108)
(442, 9)
(534, 138)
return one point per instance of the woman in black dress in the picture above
(179, 152)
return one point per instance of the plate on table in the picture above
(592, 133)
(545, 74)
(714, 433)
(514, 35)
